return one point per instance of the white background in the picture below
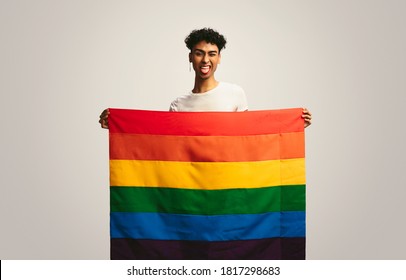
(63, 62)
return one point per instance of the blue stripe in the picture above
(161, 226)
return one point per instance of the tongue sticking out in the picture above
(205, 70)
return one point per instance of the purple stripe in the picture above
(259, 249)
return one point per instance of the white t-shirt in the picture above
(225, 97)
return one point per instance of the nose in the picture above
(206, 58)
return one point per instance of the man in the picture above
(208, 94)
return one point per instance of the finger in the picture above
(105, 112)
(104, 118)
(307, 116)
(104, 125)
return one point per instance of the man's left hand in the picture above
(307, 117)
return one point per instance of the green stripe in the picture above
(208, 202)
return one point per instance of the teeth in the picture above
(205, 69)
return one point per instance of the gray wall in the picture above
(63, 62)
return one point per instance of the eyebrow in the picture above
(200, 50)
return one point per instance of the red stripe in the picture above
(197, 123)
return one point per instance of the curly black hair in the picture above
(205, 34)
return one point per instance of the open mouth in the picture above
(205, 69)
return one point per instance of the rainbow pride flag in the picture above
(207, 185)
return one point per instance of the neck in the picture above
(204, 85)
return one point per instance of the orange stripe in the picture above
(207, 148)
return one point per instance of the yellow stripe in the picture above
(207, 175)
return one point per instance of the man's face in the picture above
(205, 57)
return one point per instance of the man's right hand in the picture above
(104, 119)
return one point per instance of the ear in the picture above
(219, 58)
(190, 57)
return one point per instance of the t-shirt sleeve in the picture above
(174, 106)
(242, 100)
